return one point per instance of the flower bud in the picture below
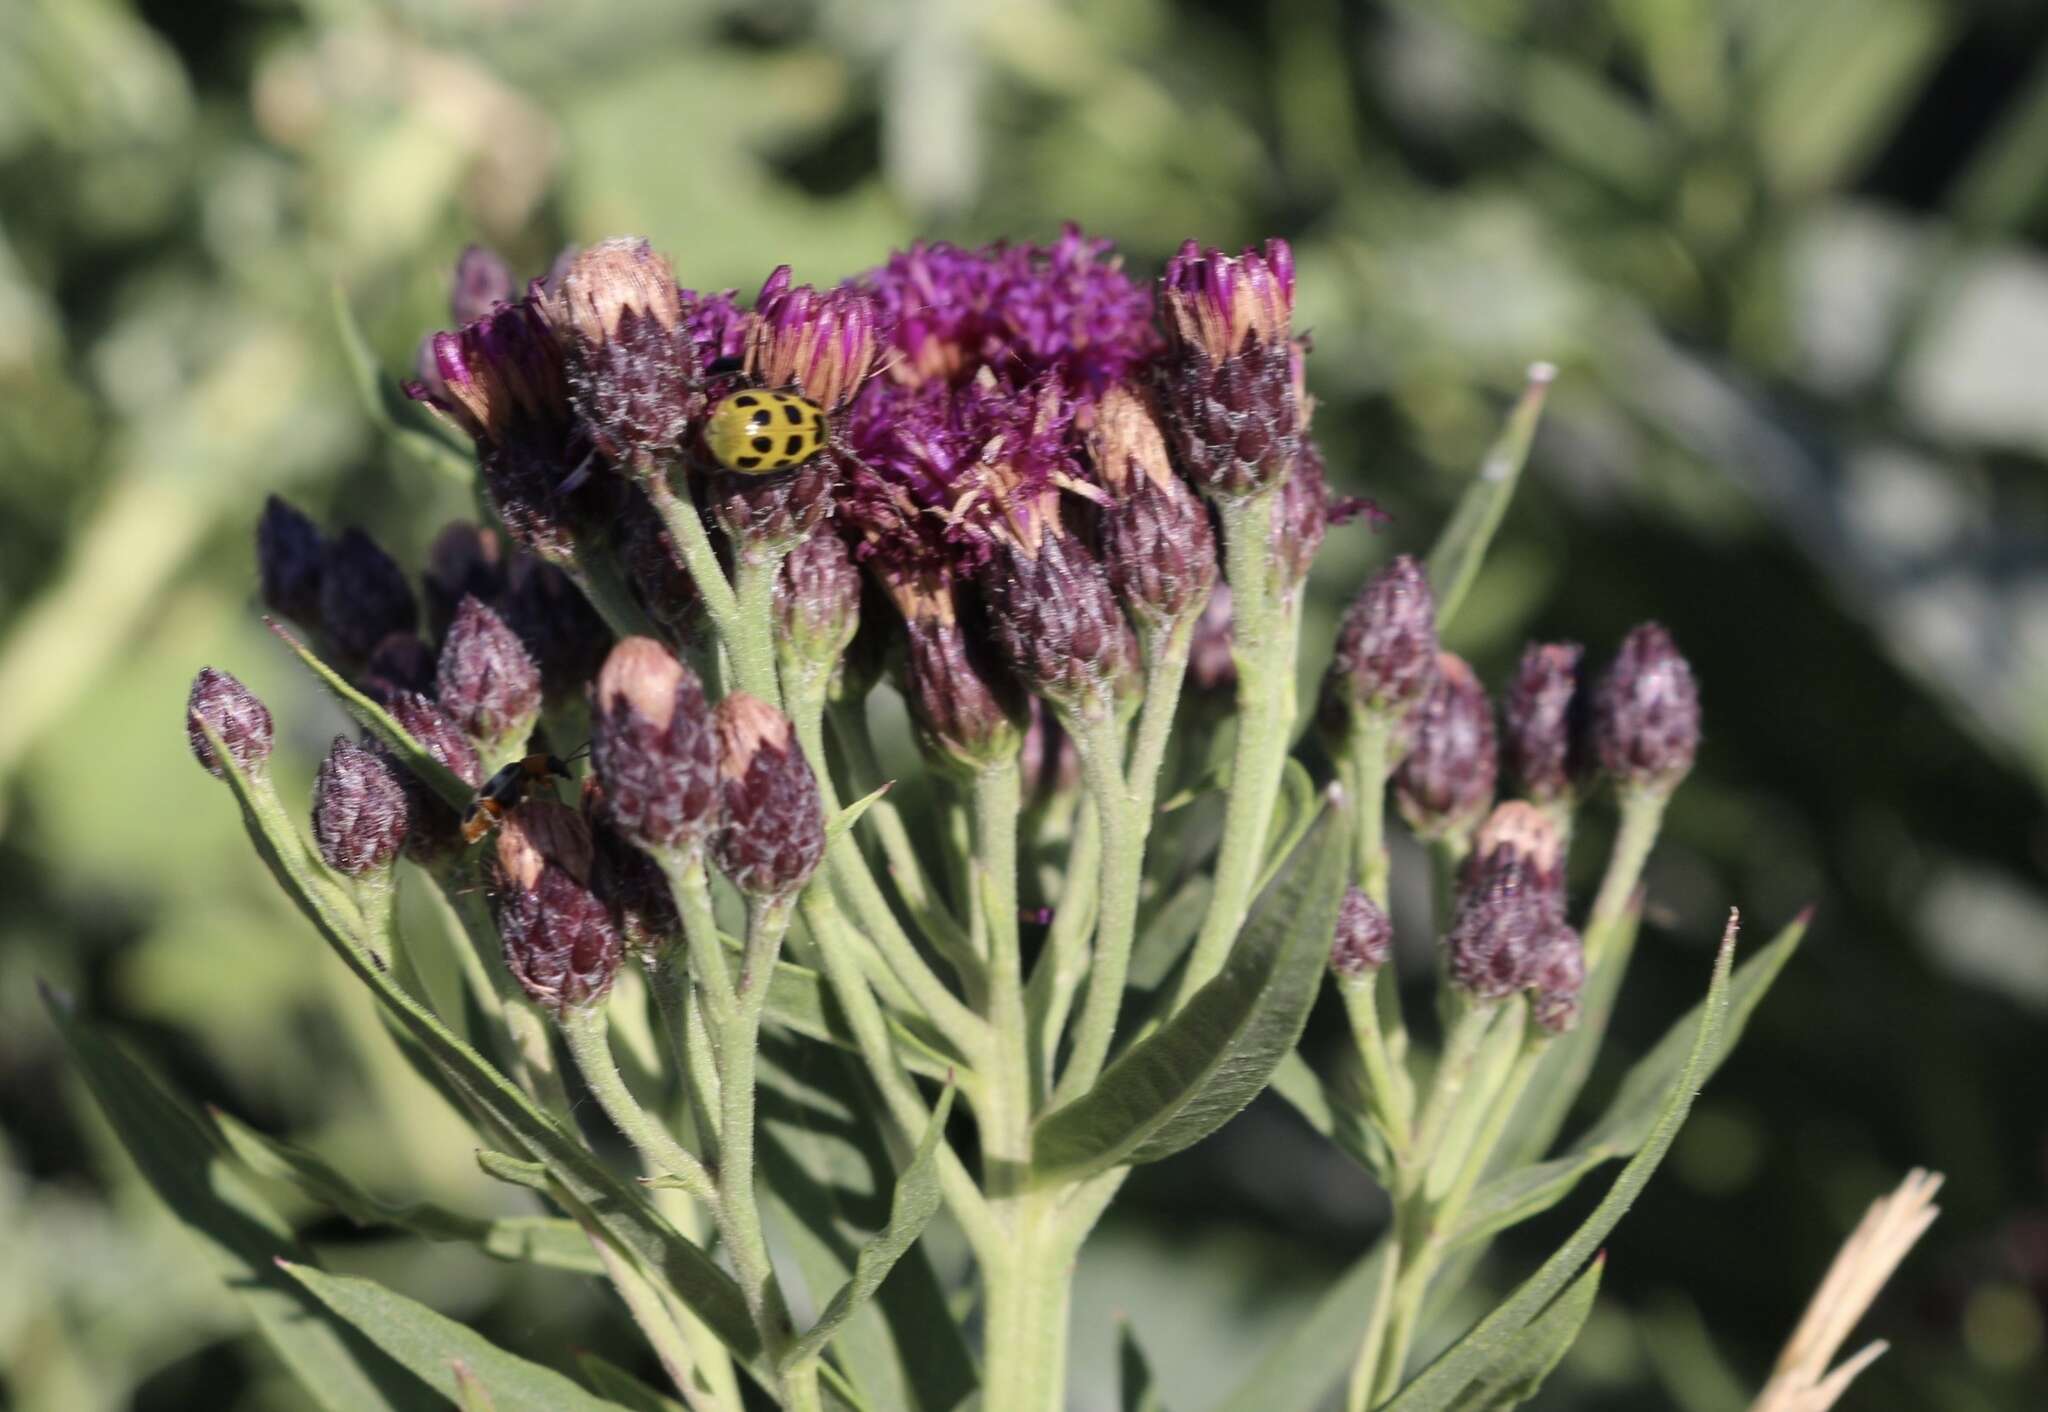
(486, 680)
(1646, 713)
(289, 552)
(1446, 780)
(1557, 976)
(1386, 655)
(632, 366)
(818, 345)
(560, 942)
(556, 624)
(1057, 621)
(1229, 375)
(482, 279)
(436, 827)
(364, 596)
(233, 713)
(966, 709)
(360, 812)
(817, 600)
(1545, 739)
(465, 561)
(1301, 517)
(1509, 901)
(629, 881)
(401, 662)
(1156, 539)
(1365, 937)
(653, 747)
(772, 834)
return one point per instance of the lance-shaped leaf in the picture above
(1301, 1367)
(470, 1393)
(540, 1240)
(1523, 1192)
(1138, 1390)
(391, 413)
(709, 1292)
(1537, 1349)
(243, 1237)
(911, 1208)
(1461, 548)
(1194, 1073)
(622, 1387)
(432, 1345)
(377, 721)
(848, 816)
(1488, 1346)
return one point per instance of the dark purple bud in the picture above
(772, 834)
(1212, 658)
(1445, 783)
(632, 364)
(402, 662)
(1229, 377)
(232, 712)
(560, 942)
(289, 552)
(486, 680)
(1156, 539)
(560, 630)
(360, 812)
(1386, 651)
(465, 561)
(1364, 939)
(482, 279)
(1545, 717)
(817, 600)
(631, 883)
(968, 712)
(1646, 714)
(1557, 975)
(654, 748)
(1057, 621)
(1301, 517)
(1509, 901)
(436, 827)
(820, 345)
(364, 596)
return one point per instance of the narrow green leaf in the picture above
(1168, 934)
(1296, 1373)
(471, 1395)
(432, 1345)
(242, 1236)
(1484, 1349)
(1461, 548)
(514, 1171)
(1140, 1391)
(1523, 1192)
(847, 817)
(374, 719)
(539, 1240)
(622, 1387)
(1537, 1349)
(915, 1201)
(390, 412)
(1185, 1080)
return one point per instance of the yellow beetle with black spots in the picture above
(757, 432)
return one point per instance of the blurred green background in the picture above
(1789, 257)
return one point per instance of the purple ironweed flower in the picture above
(1232, 372)
(717, 325)
(560, 942)
(1364, 938)
(1509, 901)
(1646, 713)
(1386, 651)
(772, 833)
(482, 280)
(1544, 723)
(1156, 539)
(360, 812)
(560, 630)
(464, 561)
(436, 834)
(364, 595)
(1445, 783)
(818, 345)
(289, 552)
(220, 703)
(633, 369)
(401, 662)
(486, 680)
(653, 747)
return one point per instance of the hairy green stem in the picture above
(1387, 1097)
(588, 1033)
(1121, 872)
(690, 884)
(1056, 979)
(739, 1207)
(752, 643)
(1028, 1289)
(1006, 1147)
(652, 1314)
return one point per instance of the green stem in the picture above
(1498, 1112)
(690, 883)
(1057, 977)
(526, 1033)
(1265, 718)
(688, 1041)
(739, 1208)
(1121, 872)
(1388, 1099)
(1461, 1047)
(587, 1032)
(752, 644)
(1642, 815)
(1358, 1392)
(671, 1347)
(747, 639)
(1027, 1291)
(1367, 776)
(1006, 1150)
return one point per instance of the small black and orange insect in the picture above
(507, 790)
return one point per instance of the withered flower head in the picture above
(772, 834)
(1230, 379)
(1301, 518)
(821, 345)
(560, 942)
(1531, 836)
(436, 832)
(1386, 652)
(1364, 939)
(1546, 731)
(654, 748)
(1646, 714)
(364, 595)
(289, 552)
(1446, 781)
(486, 680)
(360, 813)
(232, 712)
(1156, 539)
